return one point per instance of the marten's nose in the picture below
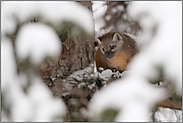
(112, 46)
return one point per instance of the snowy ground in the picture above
(162, 114)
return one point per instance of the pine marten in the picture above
(115, 51)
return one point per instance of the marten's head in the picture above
(110, 44)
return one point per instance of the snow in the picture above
(133, 95)
(106, 74)
(38, 41)
(168, 115)
(8, 66)
(37, 105)
(120, 8)
(52, 11)
(23, 79)
(44, 103)
(114, 10)
(165, 47)
(12, 83)
(99, 11)
(127, 96)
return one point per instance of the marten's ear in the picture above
(98, 40)
(117, 37)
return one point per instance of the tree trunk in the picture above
(77, 53)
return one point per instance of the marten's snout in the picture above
(109, 54)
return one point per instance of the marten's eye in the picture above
(103, 49)
(113, 46)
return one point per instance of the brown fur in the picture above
(120, 59)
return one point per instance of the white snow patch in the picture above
(99, 10)
(127, 96)
(114, 10)
(106, 74)
(79, 74)
(38, 105)
(168, 115)
(53, 11)
(108, 17)
(120, 7)
(37, 40)
(8, 65)
(165, 47)
(43, 102)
